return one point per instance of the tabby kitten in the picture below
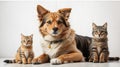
(99, 47)
(25, 52)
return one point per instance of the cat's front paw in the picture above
(24, 62)
(19, 62)
(90, 60)
(29, 62)
(102, 61)
(95, 61)
(55, 61)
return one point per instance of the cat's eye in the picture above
(102, 33)
(95, 32)
(23, 40)
(49, 22)
(28, 41)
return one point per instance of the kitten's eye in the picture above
(23, 40)
(102, 33)
(96, 32)
(49, 22)
(28, 41)
(59, 22)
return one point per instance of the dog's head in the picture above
(53, 23)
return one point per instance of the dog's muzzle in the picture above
(55, 30)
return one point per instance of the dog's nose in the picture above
(55, 29)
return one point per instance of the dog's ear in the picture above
(41, 11)
(65, 12)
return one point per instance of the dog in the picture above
(60, 43)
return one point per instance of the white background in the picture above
(18, 17)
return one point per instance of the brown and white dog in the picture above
(59, 44)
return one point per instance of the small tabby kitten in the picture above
(99, 46)
(24, 53)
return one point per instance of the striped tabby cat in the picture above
(24, 53)
(99, 46)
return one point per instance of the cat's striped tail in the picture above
(10, 61)
(114, 58)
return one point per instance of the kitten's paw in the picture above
(19, 62)
(102, 61)
(90, 60)
(55, 61)
(24, 62)
(29, 62)
(95, 61)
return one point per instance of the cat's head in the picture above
(99, 31)
(27, 40)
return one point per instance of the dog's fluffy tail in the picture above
(10, 61)
(114, 58)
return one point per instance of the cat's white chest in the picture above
(99, 49)
(26, 53)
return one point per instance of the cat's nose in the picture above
(99, 35)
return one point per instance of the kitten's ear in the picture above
(65, 12)
(22, 35)
(94, 25)
(41, 11)
(105, 25)
(31, 35)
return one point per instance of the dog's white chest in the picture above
(52, 51)
(26, 53)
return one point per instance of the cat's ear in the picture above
(65, 12)
(31, 35)
(22, 35)
(105, 25)
(41, 11)
(94, 25)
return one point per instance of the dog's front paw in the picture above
(55, 61)
(35, 61)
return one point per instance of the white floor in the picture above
(79, 64)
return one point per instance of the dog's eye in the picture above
(59, 22)
(49, 22)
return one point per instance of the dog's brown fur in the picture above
(61, 47)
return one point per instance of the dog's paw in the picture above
(55, 61)
(35, 61)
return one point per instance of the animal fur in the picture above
(99, 51)
(59, 45)
(24, 53)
